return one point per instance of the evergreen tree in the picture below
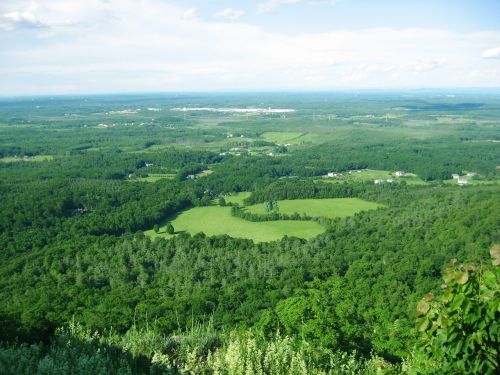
(268, 206)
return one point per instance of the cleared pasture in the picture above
(334, 207)
(215, 220)
(281, 137)
(362, 175)
(237, 197)
(36, 158)
(153, 177)
(204, 173)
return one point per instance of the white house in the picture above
(455, 176)
(400, 174)
(332, 174)
(462, 181)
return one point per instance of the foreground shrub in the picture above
(459, 330)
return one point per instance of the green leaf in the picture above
(478, 337)
(422, 324)
(422, 307)
(462, 277)
(447, 296)
(495, 254)
(457, 302)
(489, 279)
(449, 275)
(434, 327)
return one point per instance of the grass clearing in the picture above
(307, 138)
(362, 175)
(281, 137)
(237, 197)
(375, 174)
(215, 220)
(334, 207)
(204, 173)
(412, 180)
(36, 158)
(153, 177)
(369, 174)
(473, 182)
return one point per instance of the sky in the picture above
(123, 46)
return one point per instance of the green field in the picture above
(362, 175)
(308, 138)
(374, 174)
(153, 177)
(10, 159)
(237, 197)
(412, 180)
(335, 207)
(281, 137)
(474, 182)
(204, 173)
(368, 174)
(215, 220)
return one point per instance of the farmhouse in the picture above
(332, 174)
(400, 174)
(462, 181)
(455, 176)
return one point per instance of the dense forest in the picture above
(85, 289)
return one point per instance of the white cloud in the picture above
(17, 14)
(493, 53)
(13, 20)
(272, 5)
(127, 45)
(190, 13)
(229, 14)
(423, 66)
